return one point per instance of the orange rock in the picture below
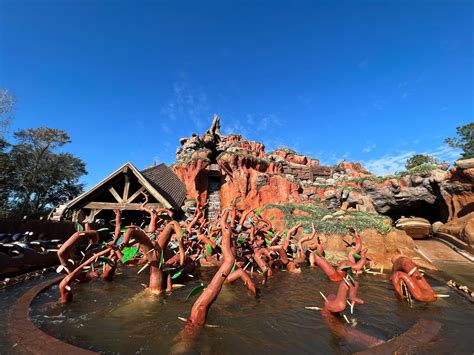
(278, 220)
(194, 176)
(461, 228)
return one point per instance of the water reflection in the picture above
(120, 317)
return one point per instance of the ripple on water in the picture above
(121, 317)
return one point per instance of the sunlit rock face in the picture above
(250, 177)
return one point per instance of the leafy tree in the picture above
(7, 105)
(38, 177)
(419, 159)
(464, 141)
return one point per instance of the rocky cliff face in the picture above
(252, 178)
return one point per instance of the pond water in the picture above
(119, 317)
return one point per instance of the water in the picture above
(119, 317)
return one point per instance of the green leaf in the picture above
(345, 267)
(177, 274)
(119, 240)
(351, 278)
(241, 240)
(129, 253)
(233, 268)
(271, 234)
(272, 218)
(106, 260)
(123, 230)
(200, 256)
(307, 231)
(165, 217)
(268, 242)
(209, 249)
(79, 227)
(356, 256)
(162, 258)
(195, 291)
(258, 213)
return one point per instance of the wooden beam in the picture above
(115, 194)
(126, 189)
(135, 195)
(91, 217)
(121, 206)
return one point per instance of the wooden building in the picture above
(123, 190)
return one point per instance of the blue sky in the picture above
(366, 81)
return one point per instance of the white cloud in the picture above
(388, 163)
(446, 153)
(165, 128)
(391, 163)
(369, 146)
(262, 125)
(188, 102)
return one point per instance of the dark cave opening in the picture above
(432, 212)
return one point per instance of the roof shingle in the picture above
(167, 183)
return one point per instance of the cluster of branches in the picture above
(34, 176)
(236, 242)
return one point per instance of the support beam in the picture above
(119, 205)
(135, 195)
(91, 217)
(115, 194)
(126, 189)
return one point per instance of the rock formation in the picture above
(251, 178)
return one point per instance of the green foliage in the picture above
(129, 253)
(34, 177)
(195, 291)
(360, 180)
(209, 249)
(333, 224)
(421, 169)
(79, 227)
(419, 159)
(322, 186)
(464, 141)
(177, 274)
(7, 106)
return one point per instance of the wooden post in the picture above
(115, 194)
(126, 189)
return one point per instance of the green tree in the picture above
(419, 159)
(40, 178)
(464, 141)
(7, 105)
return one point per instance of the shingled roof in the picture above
(167, 184)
